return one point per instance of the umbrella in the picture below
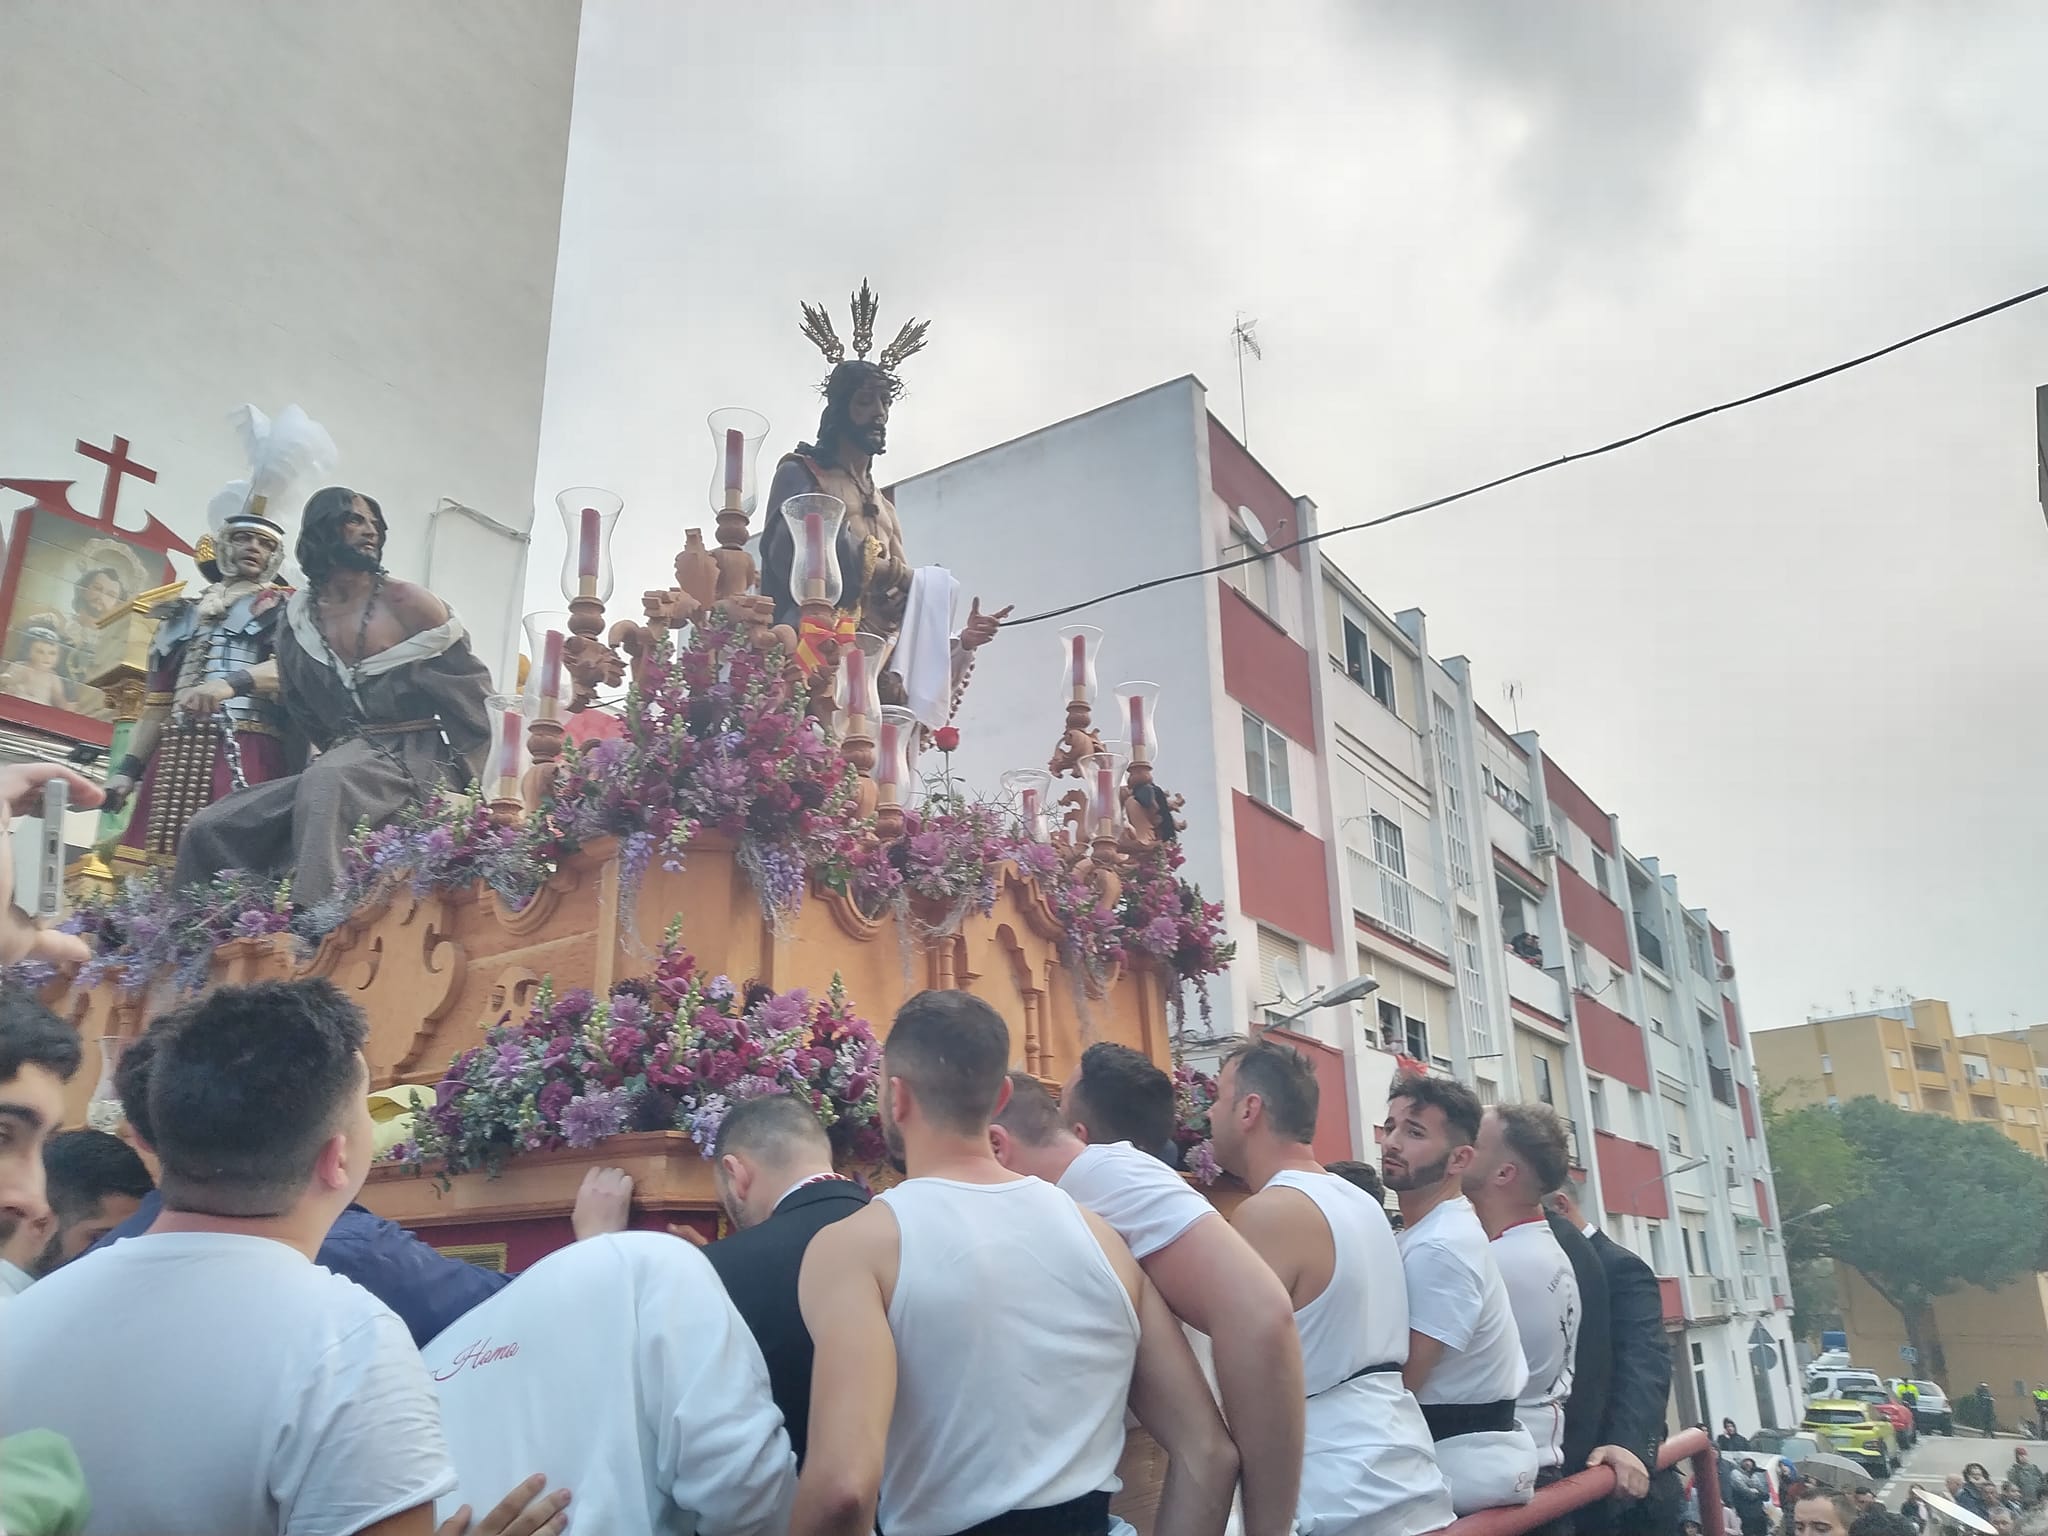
(1831, 1470)
(1955, 1514)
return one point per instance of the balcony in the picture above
(1649, 946)
(1722, 1082)
(1707, 1296)
(1386, 900)
(1534, 987)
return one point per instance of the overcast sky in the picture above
(1801, 651)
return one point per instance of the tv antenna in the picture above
(1511, 690)
(1244, 338)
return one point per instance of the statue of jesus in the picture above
(853, 431)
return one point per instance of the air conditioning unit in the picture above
(1542, 840)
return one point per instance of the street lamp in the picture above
(1698, 1162)
(1819, 1210)
(1345, 992)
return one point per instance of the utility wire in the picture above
(1537, 469)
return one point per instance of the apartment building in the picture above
(1909, 1054)
(1358, 813)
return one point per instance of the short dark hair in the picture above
(1881, 1522)
(82, 1168)
(954, 1050)
(1033, 1115)
(131, 1075)
(1122, 1095)
(1536, 1137)
(32, 1036)
(246, 1090)
(1460, 1105)
(1285, 1083)
(776, 1127)
(1364, 1175)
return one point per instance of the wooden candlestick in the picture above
(736, 570)
(587, 659)
(544, 739)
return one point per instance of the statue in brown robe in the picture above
(380, 677)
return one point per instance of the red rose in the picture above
(945, 738)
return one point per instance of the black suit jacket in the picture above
(1585, 1411)
(760, 1266)
(1641, 1382)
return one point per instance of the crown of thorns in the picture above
(817, 325)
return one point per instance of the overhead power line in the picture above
(1536, 469)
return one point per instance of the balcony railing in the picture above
(1649, 946)
(1386, 900)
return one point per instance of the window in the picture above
(1596, 1096)
(2002, 1077)
(1487, 1089)
(1834, 1102)
(1545, 1090)
(1827, 1065)
(1393, 1033)
(1675, 1145)
(1389, 850)
(1639, 1115)
(1580, 977)
(1366, 666)
(1472, 986)
(1512, 798)
(1657, 1248)
(1600, 873)
(1451, 783)
(1265, 765)
(1692, 1263)
(1255, 580)
(1418, 1040)
(2009, 1113)
(1697, 953)
(1657, 1027)
(1905, 1101)
(1898, 1058)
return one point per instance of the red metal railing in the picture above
(1595, 1484)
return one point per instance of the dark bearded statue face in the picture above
(858, 396)
(341, 531)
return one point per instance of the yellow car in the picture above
(1853, 1430)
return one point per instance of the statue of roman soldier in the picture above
(211, 722)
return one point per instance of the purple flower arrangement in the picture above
(673, 1051)
(1193, 1097)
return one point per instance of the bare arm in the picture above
(853, 1376)
(1215, 1280)
(1423, 1355)
(1171, 1398)
(417, 1521)
(148, 732)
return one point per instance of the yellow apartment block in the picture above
(1911, 1056)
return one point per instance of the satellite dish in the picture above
(1249, 521)
(1287, 976)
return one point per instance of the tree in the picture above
(1943, 1204)
(1812, 1164)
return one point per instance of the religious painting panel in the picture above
(63, 578)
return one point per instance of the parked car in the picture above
(1931, 1412)
(1828, 1381)
(1881, 1402)
(1850, 1428)
(1774, 1448)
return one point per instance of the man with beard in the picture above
(977, 1335)
(379, 676)
(1465, 1362)
(1519, 1157)
(874, 568)
(1368, 1466)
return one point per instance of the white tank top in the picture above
(1368, 1463)
(1361, 1318)
(1015, 1342)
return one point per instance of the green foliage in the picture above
(1945, 1204)
(1812, 1164)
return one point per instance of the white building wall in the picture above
(282, 203)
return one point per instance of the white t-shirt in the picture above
(1148, 1204)
(619, 1367)
(214, 1382)
(1545, 1296)
(1456, 1296)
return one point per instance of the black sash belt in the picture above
(1447, 1421)
(1385, 1368)
(1086, 1516)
